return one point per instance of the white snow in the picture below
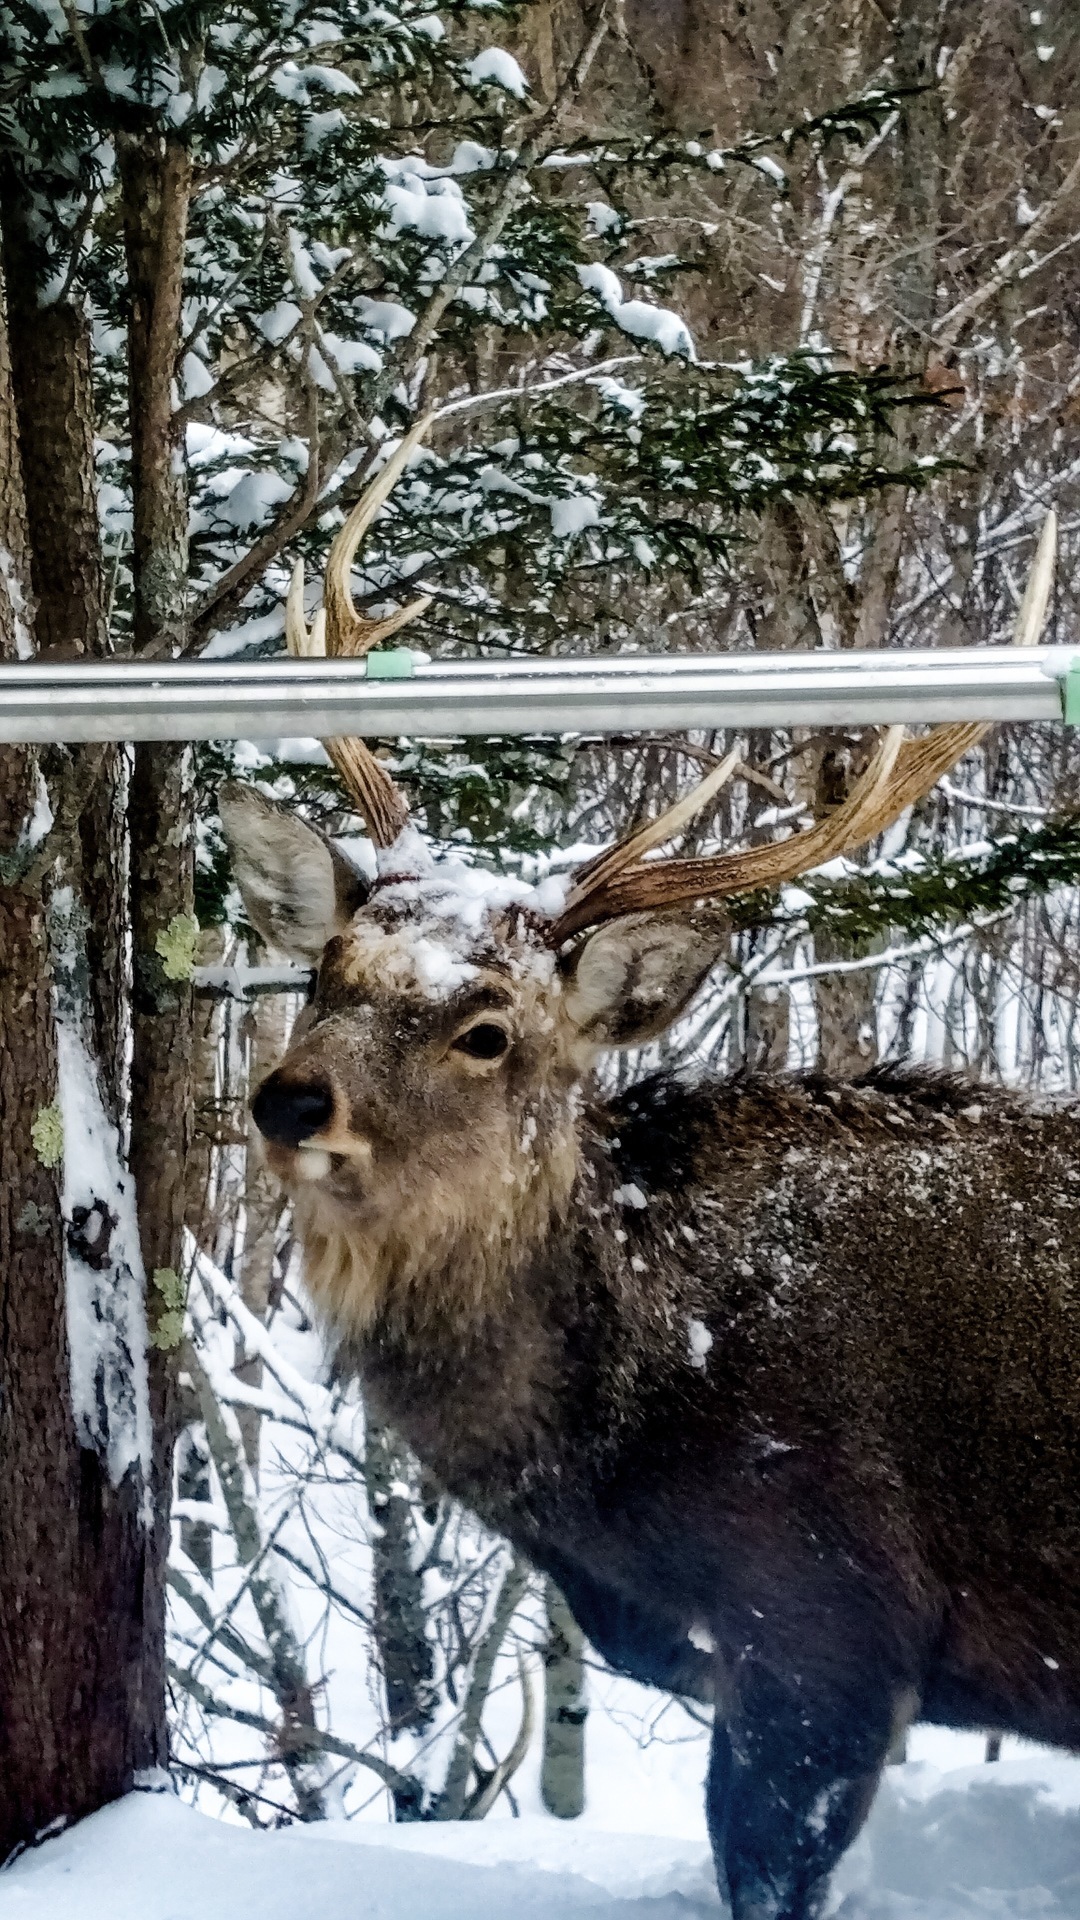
(39, 822)
(195, 377)
(699, 1343)
(347, 356)
(387, 317)
(1025, 212)
(602, 217)
(106, 1316)
(1001, 1841)
(9, 581)
(434, 208)
(250, 502)
(470, 157)
(438, 968)
(574, 514)
(637, 317)
(494, 67)
(458, 893)
(303, 273)
(294, 83)
(628, 399)
(279, 321)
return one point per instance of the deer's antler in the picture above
(902, 771)
(339, 632)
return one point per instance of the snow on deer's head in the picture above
(426, 1115)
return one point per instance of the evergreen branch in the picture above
(514, 185)
(944, 890)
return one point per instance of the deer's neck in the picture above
(442, 1252)
(500, 1343)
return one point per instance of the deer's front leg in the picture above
(792, 1774)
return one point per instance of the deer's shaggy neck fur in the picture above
(442, 1250)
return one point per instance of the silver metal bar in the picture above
(268, 699)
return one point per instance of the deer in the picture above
(777, 1378)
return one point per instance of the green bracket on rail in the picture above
(1070, 692)
(390, 663)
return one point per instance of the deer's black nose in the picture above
(288, 1112)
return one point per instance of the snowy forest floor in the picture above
(944, 1841)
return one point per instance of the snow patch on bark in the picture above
(104, 1279)
(9, 580)
(40, 823)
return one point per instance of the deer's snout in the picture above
(288, 1112)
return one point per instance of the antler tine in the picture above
(379, 800)
(923, 762)
(347, 632)
(1032, 615)
(673, 883)
(607, 866)
(339, 630)
(901, 773)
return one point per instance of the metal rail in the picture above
(404, 694)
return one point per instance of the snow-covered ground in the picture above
(997, 1841)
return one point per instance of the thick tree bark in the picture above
(50, 353)
(156, 179)
(846, 1002)
(156, 190)
(81, 1657)
(847, 1021)
(267, 1031)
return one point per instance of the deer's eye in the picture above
(485, 1041)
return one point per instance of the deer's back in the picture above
(888, 1273)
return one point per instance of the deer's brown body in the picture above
(781, 1383)
(870, 1479)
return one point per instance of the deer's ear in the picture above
(630, 981)
(298, 889)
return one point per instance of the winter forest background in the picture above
(742, 326)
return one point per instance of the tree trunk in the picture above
(846, 1002)
(267, 1033)
(81, 1656)
(562, 1773)
(404, 1651)
(156, 189)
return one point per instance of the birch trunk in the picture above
(562, 1771)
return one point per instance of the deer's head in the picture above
(426, 1113)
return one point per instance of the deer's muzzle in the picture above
(289, 1112)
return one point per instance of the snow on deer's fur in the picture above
(779, 1380)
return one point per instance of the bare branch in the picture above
(454, 1796)
(1011, 265)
